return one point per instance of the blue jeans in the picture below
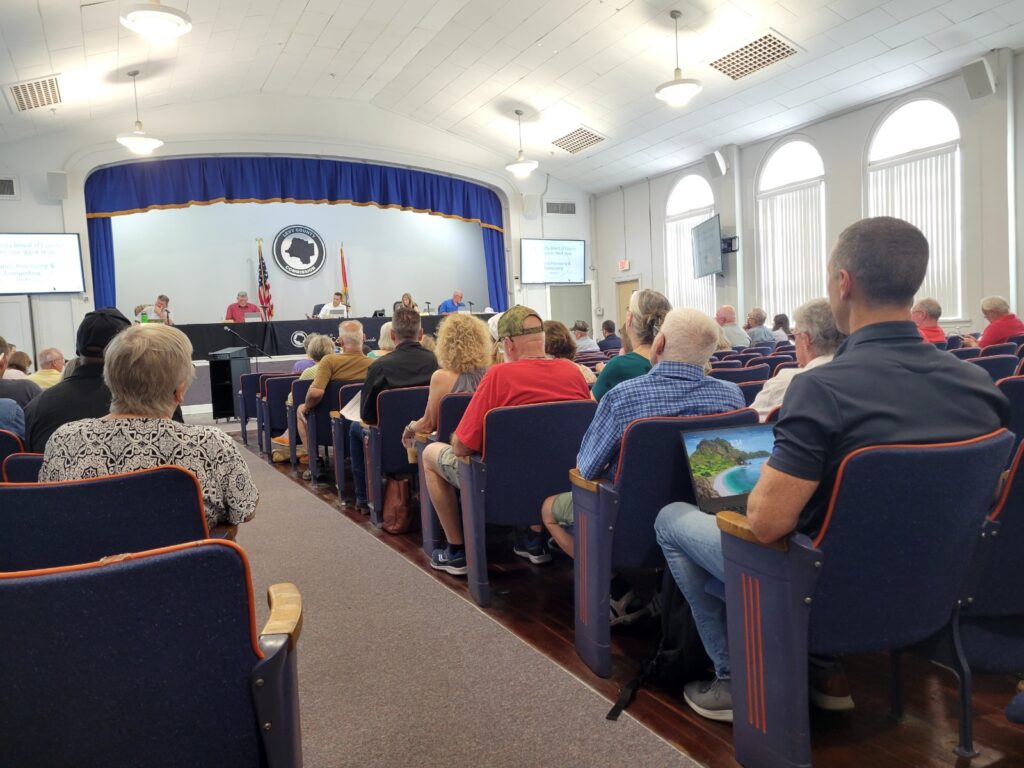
(355, 452)
(692, 545)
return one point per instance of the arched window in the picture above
(690, 203)
(914, 174)
(791, 227)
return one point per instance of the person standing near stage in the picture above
(454, 304)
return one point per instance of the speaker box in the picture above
(57, 185)
(716, 164)
(531, 206)
(979, 79)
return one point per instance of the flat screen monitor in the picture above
(707, 247)
(40, 263)
(552, 261)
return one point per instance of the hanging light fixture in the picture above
(678, 91)
(521, 167)
(155, 23)
(137, 142)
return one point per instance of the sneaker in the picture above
(362, 508)
(626, 609)
(711, 699)
(280, 439)
(829, 688)
(443, 560)
(532, 548)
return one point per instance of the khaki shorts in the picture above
(561, 509)
(448, 465)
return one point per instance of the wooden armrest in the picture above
(224, 531)
(335, 414)
(735, 524)
(285, 612)
(581, 482)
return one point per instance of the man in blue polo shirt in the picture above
(885, 385)
(449, 306)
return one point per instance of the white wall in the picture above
(202, 256)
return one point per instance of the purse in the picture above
(399, 514)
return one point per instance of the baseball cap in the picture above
(97, 329)
(511, 322)
(581, 325)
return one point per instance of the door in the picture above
(569, 303)
(623, 293)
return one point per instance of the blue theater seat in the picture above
(22, 467)
(450, 412)
(382, 442)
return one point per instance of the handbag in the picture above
(399, 513)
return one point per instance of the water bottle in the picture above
(144, 318)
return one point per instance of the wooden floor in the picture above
(536, 603)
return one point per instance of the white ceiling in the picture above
(463, 66)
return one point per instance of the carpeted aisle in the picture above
(396, 670)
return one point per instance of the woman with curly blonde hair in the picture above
(463, 350)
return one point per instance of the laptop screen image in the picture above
(725, 464)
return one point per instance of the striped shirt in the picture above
(668, 389)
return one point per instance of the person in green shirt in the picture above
(647, 310)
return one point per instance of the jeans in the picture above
(692, 545)
(355, 452)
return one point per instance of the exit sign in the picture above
(623, 265)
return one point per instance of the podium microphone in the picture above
(247, 343)
(471, 305)
(427, 305)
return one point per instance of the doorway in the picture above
(623, 293)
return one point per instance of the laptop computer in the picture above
(725, 464)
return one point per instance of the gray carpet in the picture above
(397, 670)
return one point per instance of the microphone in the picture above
(471, 305)
(427, 305)
(247, 343)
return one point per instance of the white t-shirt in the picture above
(325, 311)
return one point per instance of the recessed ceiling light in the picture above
(678, 91)
(156, 23)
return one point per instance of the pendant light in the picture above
(678, 91)
(137, 142)
(155, 23)
(521, 167)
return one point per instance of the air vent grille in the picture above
(755, 56)
(9, 188)
(563, 209)
(578, 140)
(34, 94)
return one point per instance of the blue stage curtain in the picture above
(101, 257)
(181, 182)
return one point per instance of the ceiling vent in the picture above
(578, 140)
(562, 209)
(755, 56)
(9, 189)
(34, 94)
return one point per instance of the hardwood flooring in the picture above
(536, 603)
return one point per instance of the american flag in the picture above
(344, 278)
(265, 299)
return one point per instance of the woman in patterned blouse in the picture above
(148, 368)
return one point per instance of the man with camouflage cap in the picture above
(528, 377)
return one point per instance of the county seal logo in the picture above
(299, 251)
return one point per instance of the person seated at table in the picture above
(157, 312)
(148, 369)
(385, 343)
(454, 304)
(407, 302)
(337, 303)
(236, 312)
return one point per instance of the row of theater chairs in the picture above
(147, 651)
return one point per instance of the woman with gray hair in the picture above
(816, 338)
(148, 369)
(647, 310)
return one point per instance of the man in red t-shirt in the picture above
(926, 314)
(1002, 323)
(236, 312)
(528, 377)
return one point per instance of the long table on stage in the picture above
(281, 337)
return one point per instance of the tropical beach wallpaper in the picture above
(728, 462)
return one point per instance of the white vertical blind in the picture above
(791, 256)
(684, 290)
(924, 189)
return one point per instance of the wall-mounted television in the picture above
(706, 238)
(40, 263)
(552, 261)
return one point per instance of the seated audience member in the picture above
(527, 377)
(236, 312)
(452, 305)
(409, 365)
(17, 366)
(148, 368)
(428, 342)
(726, 317)
(926, 314)
(497, 350)
(406, 301)
(318, 346)
(587, 351)
(559, 342)
(756, 331)
(1002, 323)
(780, 328)
(385, 342)
(348, 365)
(610, 344)
(675, 386)
(20, 391)
(12, 417)
(51, 365)
(157, 312)
(337, 303)
(884, 386)
(83, 394)
(463, 351)
(816, 340)
(647, 310)
(307, 361)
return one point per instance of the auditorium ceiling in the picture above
(464, 66)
